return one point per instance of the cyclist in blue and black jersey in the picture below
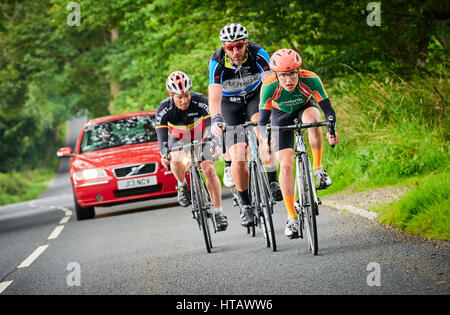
(236, 71)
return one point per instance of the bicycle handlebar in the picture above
(298, 126)
(194, 144)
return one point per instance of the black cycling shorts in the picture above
(284, 139)
(237, 110)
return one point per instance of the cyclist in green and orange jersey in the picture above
(288, 95)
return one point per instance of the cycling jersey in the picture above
(274, 95)
(177, 124)
(282, 107)
(241, 81)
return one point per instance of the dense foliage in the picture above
(119, 56)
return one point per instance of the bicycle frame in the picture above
(299, 150)
(254, 162)
(201, 202)
(307, 204)
(254, 154)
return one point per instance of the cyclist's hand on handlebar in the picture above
(216, 152)
(217, 125)
(217, 128)
(333, 140)
(265, 149)
(164, 162)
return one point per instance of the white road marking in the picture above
(64, 220)
(56, 232)
(27, 262)
(4, 285)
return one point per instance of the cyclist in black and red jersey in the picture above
(236, 71)
(287, 95)
(181, 118)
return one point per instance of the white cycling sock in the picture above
(217, 210)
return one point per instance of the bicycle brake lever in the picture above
(331, 128)
(166, 154)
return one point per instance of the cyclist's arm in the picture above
(163, 136)
(262, 60)
(313, 81)
(215, 99)
(327, 109)
(264, 118)
(215, 88)
(162, 129)
(265, 105)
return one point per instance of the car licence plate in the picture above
(137, 182)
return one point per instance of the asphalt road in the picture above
(155, 247)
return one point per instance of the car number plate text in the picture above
(137, 182)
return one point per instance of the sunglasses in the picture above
(231, 47)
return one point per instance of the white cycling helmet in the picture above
(178, 82)
(233, 32)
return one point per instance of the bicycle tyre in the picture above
(256, 200)
(199, 202)
(254, 197)
(267, 210)
(310, 206)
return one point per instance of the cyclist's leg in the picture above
(286, 159)
(284, 143)
(234, 114)
(212, 183)
(311, 114)
(271, 165)
(239, 170)
(179, 170)
(176, 162)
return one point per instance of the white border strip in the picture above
(56, 232)
(358, 211)
(4, 285)
(27, 262)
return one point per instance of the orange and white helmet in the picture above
(285, 60)
(178, 82)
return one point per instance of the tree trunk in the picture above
(114, 85)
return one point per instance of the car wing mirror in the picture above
(65, 152)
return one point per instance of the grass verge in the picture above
(425, 210)
(24, 185)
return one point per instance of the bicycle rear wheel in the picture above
(255, 197)
(308, 205)
(200, 205)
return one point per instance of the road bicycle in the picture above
(259, 191)
(306, 200)
(200, 199)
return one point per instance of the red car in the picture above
(117, 160)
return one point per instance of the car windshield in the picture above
(120, 132)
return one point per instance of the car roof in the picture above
(119, 116)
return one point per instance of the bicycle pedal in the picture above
(319, 202)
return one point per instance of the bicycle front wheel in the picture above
(267, 209)
(309, 205)
(200, 206)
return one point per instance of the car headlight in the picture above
(92, 173)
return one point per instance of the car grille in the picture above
(140, 169)
(137, 191)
